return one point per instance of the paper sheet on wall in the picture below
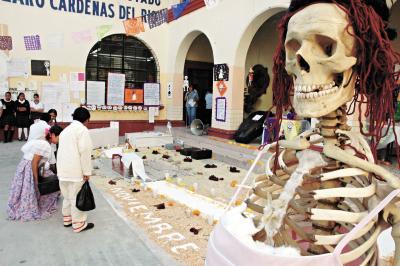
(221, 109)
(77, 81)
(3, 88)
(76, 95)
(115, 89)
(56, 106)
(64, 96)
(152, 111)
(63, 77)
(151, 94)
(20, 86)
(170, 90)
(95, 93)
(33, 85)
(18, 67)
(54, 41)
(67, 111)
(50, 92)
(54, 95)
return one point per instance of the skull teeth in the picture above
(311, 88)
(314, 94)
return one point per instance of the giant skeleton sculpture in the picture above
(319, 186)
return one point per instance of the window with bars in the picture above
(122, 54)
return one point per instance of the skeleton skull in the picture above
(320, 56)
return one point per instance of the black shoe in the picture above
(68, 225)
(88, 227)
(5, 136)
(10, 136)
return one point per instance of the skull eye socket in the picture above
(291, 47)
(327, 45)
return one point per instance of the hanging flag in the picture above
(32, 42)
(134, 26)
(178, 9)
(82, 36)
(211, 3)
(103, 30)
(5, 43)
(157, 18)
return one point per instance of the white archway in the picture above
(175, 106)
(239, 72)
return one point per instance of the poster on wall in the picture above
(5, 43)
(220, 109)
(67, 111)
(170, 89)
(221, 72)
(40, 67)
(77, 81)
(96, 92)
(18, 67)
(115, 89)
(151, 94)
(221, 87)
(133, 96)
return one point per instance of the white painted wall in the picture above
(230, 28)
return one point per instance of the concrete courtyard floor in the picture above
(113, 241)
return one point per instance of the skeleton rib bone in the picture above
(335, 196)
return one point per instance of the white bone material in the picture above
(343, 173)
(349, 192)
(336, 215)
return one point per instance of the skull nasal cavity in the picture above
(303, 63)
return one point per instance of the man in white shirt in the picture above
(74, 167)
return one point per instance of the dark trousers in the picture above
(207, 116)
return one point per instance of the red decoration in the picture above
(222, 88)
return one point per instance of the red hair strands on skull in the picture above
(374, 70)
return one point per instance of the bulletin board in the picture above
(151, 93)
(133, 96)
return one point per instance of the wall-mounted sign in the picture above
(220, 109)
(151, 94)
(133, 95)
(221, 87)
(115, 89)
(170, 89)
(221, 72)
(94, 7)
(40, 67)
(96, 92)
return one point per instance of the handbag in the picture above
(48, 184)
(85, 199)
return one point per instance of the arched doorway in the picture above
(255, 47)
(259, 59)
(198, 67)
(395, 23)
(123, 54)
